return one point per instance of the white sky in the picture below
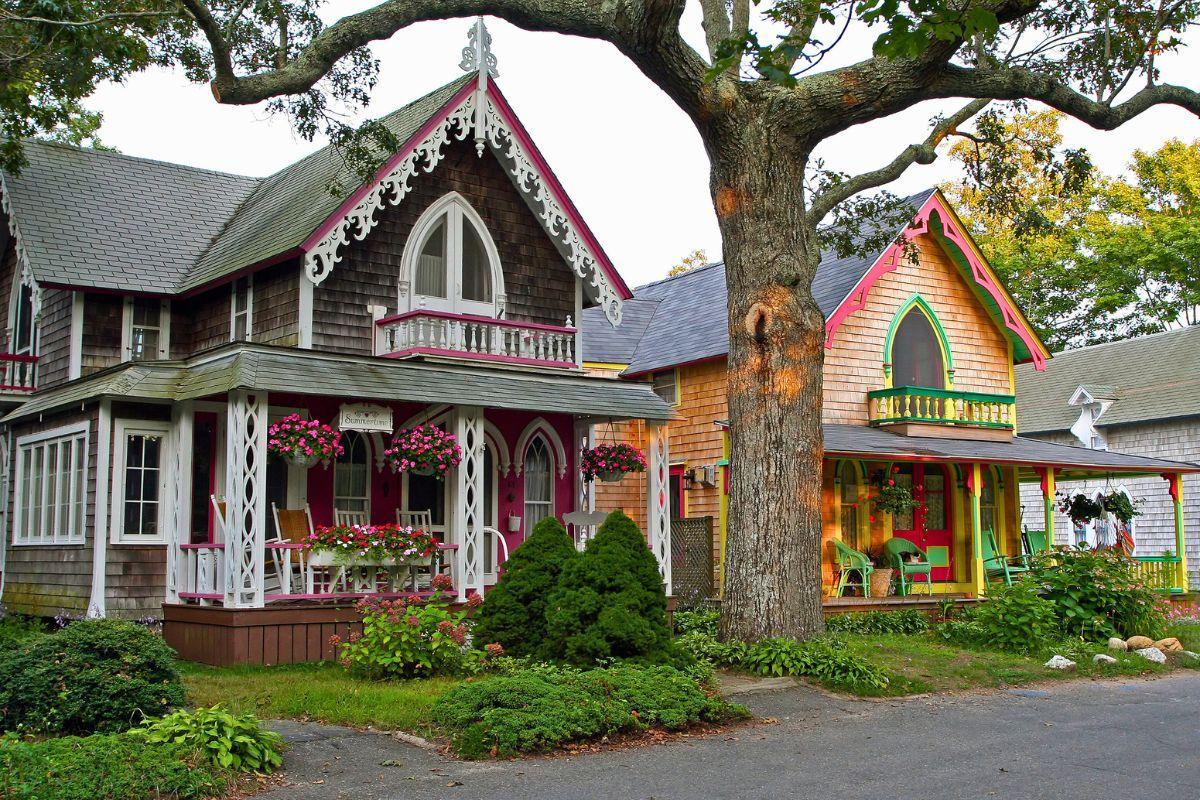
(629, 158)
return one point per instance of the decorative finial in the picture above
(478, 55)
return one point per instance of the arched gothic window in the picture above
(539, 482)
(451, 263)
(917, 353)
(352, 475)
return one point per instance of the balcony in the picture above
(465, 336)
(19, 374)
(917, 411)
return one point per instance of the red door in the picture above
(928, 525)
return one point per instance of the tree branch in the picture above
(715, 21)
(799, 36)
(921, 153)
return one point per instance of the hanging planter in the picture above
(891, 497)
(1080, 508)
(423, 450)
(610, 462)
(1120, 506)
(303, 442)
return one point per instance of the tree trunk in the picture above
(776, 342)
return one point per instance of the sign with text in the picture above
(365, 417)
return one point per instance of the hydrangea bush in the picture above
(610, 459)
(304, 441)
(426, 449)
(372, 542)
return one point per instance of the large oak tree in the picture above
(762, 98)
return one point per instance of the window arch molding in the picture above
(538, 426)
(918, 304)
(457, 213)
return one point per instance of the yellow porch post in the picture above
(1048, 504)
(1181, 577)
(974, 487)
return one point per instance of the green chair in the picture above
(996, 565)
(850, 561)
(898, 551)
(1033, 543)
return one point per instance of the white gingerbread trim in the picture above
(537, 426)
(26, 271)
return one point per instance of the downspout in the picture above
(96, 604)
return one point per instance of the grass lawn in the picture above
(1188, 634)
(319, 692)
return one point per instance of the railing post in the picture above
(179, 494)
(245, 498)
(658, 501)
(469, 499)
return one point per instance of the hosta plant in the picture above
(238, 743)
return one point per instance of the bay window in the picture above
(51, 472)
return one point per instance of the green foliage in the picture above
(704, 620)
(1014, 618)
(610, 602)
(908, 621)
(105, 767)
(15, 629)
(94, 675)
(238, 743)
(535, 710)
(514, 611)
(1098, 593)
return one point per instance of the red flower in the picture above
(475, 600)
(494, 650)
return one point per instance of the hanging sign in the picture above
(365, 417)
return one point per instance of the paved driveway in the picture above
(1079, 740)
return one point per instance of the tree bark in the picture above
(776, 341)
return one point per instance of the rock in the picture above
(1152, 654)
(1058, 662)
(1101, 658)
(1169, 645)
(1139, 642)
(1117, 643)
(1188, 654)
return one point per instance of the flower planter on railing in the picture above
(438, 333)
(941, 407)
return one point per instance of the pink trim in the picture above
(442, 546)
(8, 388)
(980, 273)
(440, 351)
(24, 359)
(286, 546)
(201, 596)
(341, 596)
(203, 546)
(503, 323)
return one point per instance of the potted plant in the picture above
(303, 442)
(881, 577)
(610, 462)
(1080, 508)
(386, 545)
(1120, 506)
(423, 450)
(889, 496)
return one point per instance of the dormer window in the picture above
(23, 330)
(145, 329)
(451, 263)
(917, 353)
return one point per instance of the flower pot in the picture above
(612, 476)
(320, 558)
(881, 582)
(424, 471)
(514, 523)
(304, 461)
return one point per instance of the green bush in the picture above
(1098, 593)
(907, 622)
(610, 602)
(15, 629)
(1014, 618)
(539, 709)
(232, 742)
(94, 675)
(704, 620)
(514, 611)
(105, 767)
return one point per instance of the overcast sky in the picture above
(629, 158)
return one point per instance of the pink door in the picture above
(928, 525)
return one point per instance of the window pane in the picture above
(903, 520)
(351, 474)
(476, 271)
(916, 354)
(153, 447)
(133, 517)
(664, 385)
(539, 485)
(427, 493)
(145, 312)
(431, 264)
(24, 326)
(935, 501)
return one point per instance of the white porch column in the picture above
(245, 498)
(658, 506)
(585, 495)
(469, 499)
(179, 494)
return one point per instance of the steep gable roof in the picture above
(1149, 378)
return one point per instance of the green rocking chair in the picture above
(898, 551)
(850, 561)
(996, 565)
(1034, 543)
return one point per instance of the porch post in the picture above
(1048, 489)
(585, 494)
(974, 488)
(469, 499)
(179, 493)
(1181, 578)
(658, 502)
(245, 498)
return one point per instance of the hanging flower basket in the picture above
(610, 462)
(423, 450)
(1080, 508)
(385, 545)
(891, 497)
(303, 442)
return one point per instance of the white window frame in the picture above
(655, 377)
(123, 428)
(552, 457)
(368, 446)
(164, 330)
(246, 282)
(25, 444)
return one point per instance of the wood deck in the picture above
(857, 605)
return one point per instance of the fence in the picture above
(692, 559)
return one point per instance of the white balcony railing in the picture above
(437, 333)
(18, 373)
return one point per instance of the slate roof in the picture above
(689, 323)
(875, 443)
(244, 365)
(112, 221)
(1154, 377)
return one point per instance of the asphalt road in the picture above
(1135, 739)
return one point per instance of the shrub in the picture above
(1014, 618)
(514, 611)
(873, 623)
(16, 629)
(704, 620)
(1098, 593)
(610, 602)
(94, 675)
(543, 708)
(104, 767)
(403, 639)
(232, 742)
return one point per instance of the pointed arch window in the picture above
(539, 482)
(917, 353)
(451, 263)
(23, 328)
(352, 475)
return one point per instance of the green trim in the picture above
(918, 391)
(917, 301)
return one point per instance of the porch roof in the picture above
(874, 443)
(243, 365)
